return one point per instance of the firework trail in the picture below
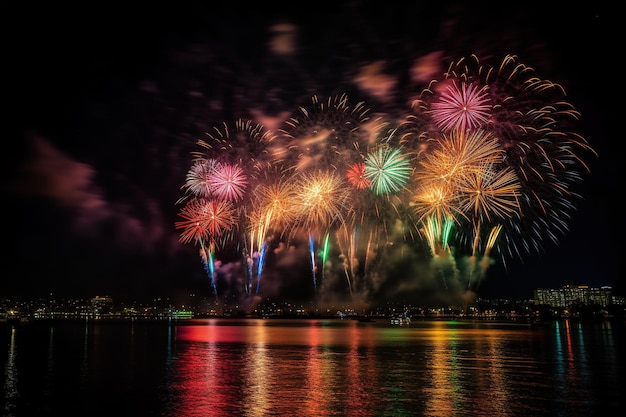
(260, 266)
(206, 222)
(349, 260)
(325, 249)
(313, 263)
(209, 265)
(321, 205)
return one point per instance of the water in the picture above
(323, 367)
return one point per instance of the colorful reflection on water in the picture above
(320, 368)
(255, 367)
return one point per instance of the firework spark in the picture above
(246, 144)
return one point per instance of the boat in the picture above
(400, 320)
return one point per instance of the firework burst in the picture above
(228, 182)
(356, 176)
(460, 106)
(322, 201)
(489, 194)
(272, 210)
(205, 220)
(330, 134)
(388, 169)
(244, 144)
(197, 182)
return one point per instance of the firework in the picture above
(460, 106)
(321, 205)
(205, 220)
(458, 154)
(330, 134)
(322, 201)
(228, 182)
(489, 194)
(246, 144)
(485, 162)
(388, 169)
(356, 176)
(198, 178)
(272, 208)
(460, 180)
(438, 201)
(531, 121)
(490, 197)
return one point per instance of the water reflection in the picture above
(442, 396)
(573, 368)
(346, 368)
(313, 368)
(257, 375)
(10, 378)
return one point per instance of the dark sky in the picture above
(106, 106)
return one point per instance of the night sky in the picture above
(106, 106)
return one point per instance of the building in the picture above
(569, 295)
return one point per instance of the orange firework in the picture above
(322, 200)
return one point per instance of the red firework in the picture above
(356, 176)
(205, 219)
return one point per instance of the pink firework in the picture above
(461, 106)
(228, 182)
(356, 176)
